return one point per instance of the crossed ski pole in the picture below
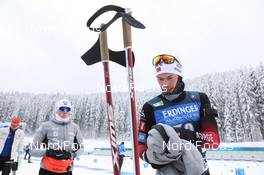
(100, 53)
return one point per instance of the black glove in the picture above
(9, 165)
(59, 154)
(15, 166)
(186, 134)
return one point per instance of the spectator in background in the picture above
(11, 146)
(27, 149)
(122, 150)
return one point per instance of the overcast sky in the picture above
(41, 41)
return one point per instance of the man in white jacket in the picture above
(11, 146)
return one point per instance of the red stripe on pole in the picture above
(110, 116)
(133, 110)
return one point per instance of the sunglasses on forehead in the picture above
(167, 59)
(64, 109)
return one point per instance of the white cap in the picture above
(174, 68)
(63, 103)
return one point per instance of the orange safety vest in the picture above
(57, 166)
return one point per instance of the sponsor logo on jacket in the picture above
(178, 114)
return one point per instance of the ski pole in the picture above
(109, 102)
(127, 38)
(100, 52)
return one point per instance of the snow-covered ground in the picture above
(102, 165)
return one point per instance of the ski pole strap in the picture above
(120, 12)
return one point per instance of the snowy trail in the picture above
(101, 165)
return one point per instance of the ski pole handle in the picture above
(100, 12)
(120, 12)
(104, 46)
(127, 36)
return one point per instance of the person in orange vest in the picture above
(11, 146)
(61, 139)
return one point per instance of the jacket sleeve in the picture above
(78, 141)
(208, 136)
(209, 129)
(145, 124)
(36, 149)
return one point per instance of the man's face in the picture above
(63, 114)
(167, 82)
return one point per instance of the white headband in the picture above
(174, 68)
